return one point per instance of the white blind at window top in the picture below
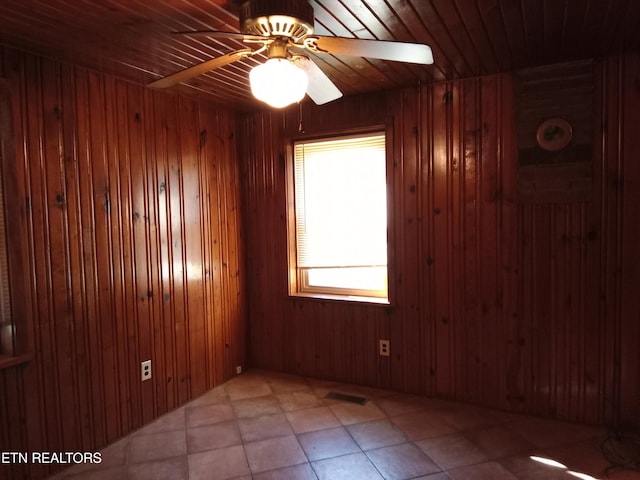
(341, 205)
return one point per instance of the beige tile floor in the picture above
(270, 426)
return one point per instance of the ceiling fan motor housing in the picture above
(279, 18)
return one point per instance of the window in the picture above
(12, 339)
(6, 157)
(340, 204)
(6, 323)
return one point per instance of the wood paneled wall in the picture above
(524, 307)
(130, 204)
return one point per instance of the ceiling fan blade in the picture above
(220, 34)
(201, 68)
(383, 50)
(320, 88)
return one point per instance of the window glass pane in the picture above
(374, 279)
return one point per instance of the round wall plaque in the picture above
(554, 134)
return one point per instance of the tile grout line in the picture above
(502, 423)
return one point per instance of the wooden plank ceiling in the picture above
(133, 39)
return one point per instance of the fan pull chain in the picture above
(300, 126)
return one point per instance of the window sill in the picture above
(353, 299)
(10, 361)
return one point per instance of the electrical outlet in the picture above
(238, 369)
(146, 370)
(384, 348)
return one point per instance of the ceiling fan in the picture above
(283, 30)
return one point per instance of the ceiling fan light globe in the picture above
(278, 82)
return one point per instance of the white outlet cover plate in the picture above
(146, 370)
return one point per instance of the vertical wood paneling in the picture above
(436, 213)
(410, 245)
(489, 248)
(610, 210)
(116, 198)
(526, 307)
(629, 144)
(133, 241)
